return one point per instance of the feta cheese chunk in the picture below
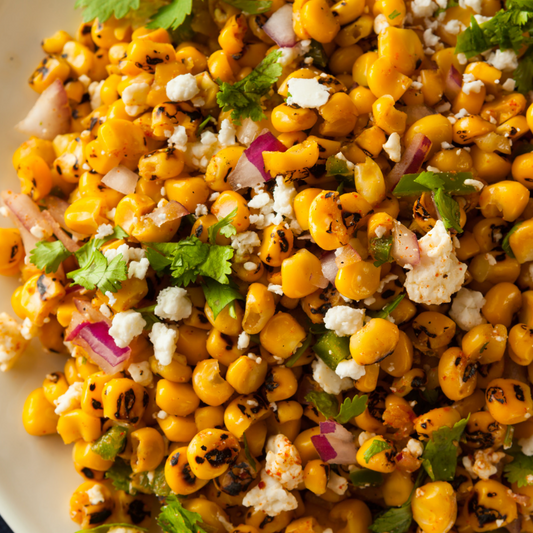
(179, 138)
(126, 326)
(506, 61)
(337, 484)
(350, 369)
(70, 400)
(439, 273)
(138, 269)
(244, 243)
(328, 380)
(466, 309)
(307, 93)
(141, 373)
(270, 497)
(344, 320)
(96, 495)
(164, 339)
(423, 8)
(283, 462)
(104, 230)
(484, 464)
(173, 303)
(527, 445)
(393, 147)
(182, 88)
(243, 341)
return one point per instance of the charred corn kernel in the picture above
(369, 181)
(521, 344)
(520, 242)
(112, 31)
(211, 451)
(401, 359)
(276, 245)
(399, 46)
(192, 58)
(145, 54)
(148, 449)
(304, 445)
(485, 343)
(246, 375)
(287, 119)
(191, 343)
(242, 412)
(375, 341)
(316, 474)
(54, 386)
(226, 203)
(363, 99)
(383, 78)
(354, 32)
(429, 422)
(222, 347)
(162, 164)
(179, 475)
(434, 507)
(232, 35)
(100, 161)
(387, 117)
(49, 70)
(383, 461)
(246, 275)
(39, 295)
(223, 66)
(466, 129)
(260, 308)
(432, 330)
(482, 431)
(132, 292)
(495, 200)
(326, 223)
(526, 312)
(435, 127)
(208, 417)
(177, 371)
(209, 385)
(514, 128)
(509, 401)
(54, 44)
(504, 107)
(339, 114)
(35, 177)
(319, 21)
(352, 513)
(302, 205)
(76, 425)
(11, 252)
(502, 302)
(86, 514)
(91, 185)
(490, 166)
(295, 162)
(220, 166)
(79, 57)
(457, 374)
(189, 192)
(35, 146)
(177, 399)
(359, 280)
(91, 396)
(280, 384)
(124, 400)
(348, 11)
(38, 416)
(489, 498)
(131, 208)
(282, 335)
(300, 274)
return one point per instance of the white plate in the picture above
(36, 473)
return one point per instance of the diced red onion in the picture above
(169, 212)
(319, 281)
(453, 83)
(50, 116)
(405, 248)
(245, 174)
(266, 142)
(95, 339)
(329, 266)
(89, 312)
(74, 331)
(347, 256)
(69, 243)
(334, 444)
(279, 27)
(57, 207)
(411, 160)
(121, 179)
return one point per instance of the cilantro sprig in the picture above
(328, 406)
(243, 98)
(171, 16)
(440, 454)
(174, 518)
(520, 469)
(48, 256)
(218, 296)
(376, 447)
(380, 249)
(104, 9)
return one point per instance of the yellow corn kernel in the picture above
(435, 127)
(49, 70)
(76, 425)
(38, 416)
(179, 475)
(287, 119)
(384, 78)
(148, 449)
(382, 461)
(401, 47)
(434, 507)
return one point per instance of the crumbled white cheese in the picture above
(284, 194)
(385, 280)
(276, 289)
(307, 93)
(95, 89)
(69, 400)
(454, 27)
(344, 320)
(38, 232)
(255, 358)
(462, 113)
(342, 157)
(328, 380)
(201, 211)
(364, 436)
(380, 23)
(350, 369)
(484, 464)
(270, 497)
(105, 310)
(527, 445)
(243, 341)
(472, 86)
(423, 8)
(244, 243)
(446, 146)
(164, 339)
(179, 138)
(415, 447)
(28, 329)
(128, 253)
(480, 19)
(478, 185)
(96, 495)
(289, 54)
(430, 39)
(337, 483)
(439, 273)
(134, 97)
(509, 85)
(466, 309)
(173, 303)
(283, 462)
(182, 88)
(141, 373)
(474, 4)
(506, 60)
(126, 326)
(226, 134)
(442, 108)
(103, 231)
(250, 266)
(162, 415)
(393, 147)
(259, 200)
(380, 231)
(463, 60)
(111, 298)
(138, 269)
(228, 526)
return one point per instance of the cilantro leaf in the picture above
(325, 403)
(158, 261)
(376, 447)
(317, 52)
(252, 7)
(247, 452)
(48, 256)
(174, 518)
(506, 245)
(111, 443)
(97, 272)
(218, 296)
(388, 309)
(120, 475)
(451, 182)
(152, 484)
(350, 408)
(440, 454)
(243, 98)
(449, 210)
(380, 249)
(171, 15)
(291, 361)
(217, 265)
(104, 9)
(364, 477)
(523, 75)
(519, 469)
(223, 226)
(104, 528)
(394, 520)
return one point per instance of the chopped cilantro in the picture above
(152, 482)
(174, 518)
(451, 3)
(519, 469)
(223, 226)
(218, 296)
(299, 352)
(394, 14)
(523, 75)
(394, 520)
(48, 256)
(111, 443)
(351, 407)
(506, 245)
(388, 309)
(364, 477)
(325, 403)
(172, 15)
(380, 249)
(415, 184)
(483, 348)
(243, 98)
(376, 447)
(508, 440)
(120, 475)
(449, 210)
(440, 454)
(252, 7)
(204, 124)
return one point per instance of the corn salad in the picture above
(287, 252)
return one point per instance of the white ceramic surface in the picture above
(36, 474)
